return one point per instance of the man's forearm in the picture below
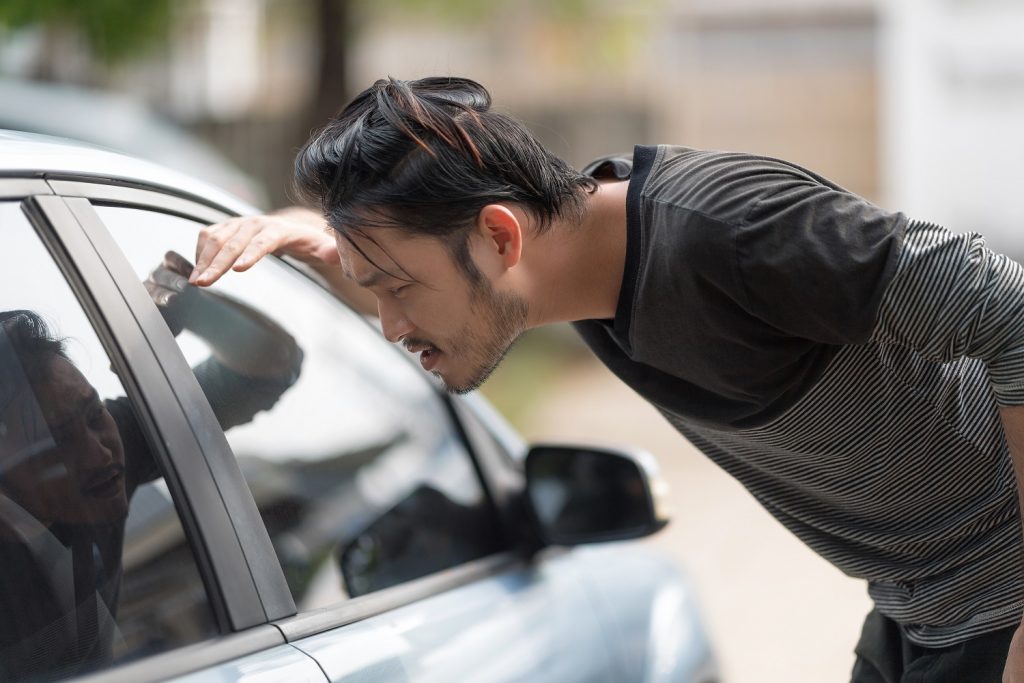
(242, 338)
(1013, 426)
(357, 297)
(302, 215)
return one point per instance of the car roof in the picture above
(32, 155)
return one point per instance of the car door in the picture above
(104, 521)
(399, 563)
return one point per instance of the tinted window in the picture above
(94, 567)
(356, 468)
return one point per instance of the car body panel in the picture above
(281, 664)
(532, 623)
(654, 624)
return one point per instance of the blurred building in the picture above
(912, 103)
(795, 79)
(953, 102)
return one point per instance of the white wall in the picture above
(953, 115)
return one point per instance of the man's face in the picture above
(461, 328)
(70, 469)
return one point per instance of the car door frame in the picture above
(501, 480)
(235, 600)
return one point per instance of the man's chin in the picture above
(465, 386)
(458, 389)
(473, 380)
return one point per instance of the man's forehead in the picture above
(66, 393)
(357, 267)
(370, 260)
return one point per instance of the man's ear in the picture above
(502, 231)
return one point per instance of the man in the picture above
(862, 374)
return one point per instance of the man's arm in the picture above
(240, 337)
(238, 243)
(1013, 425)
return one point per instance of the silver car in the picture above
(247, 483)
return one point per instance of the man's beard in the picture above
(483, 347)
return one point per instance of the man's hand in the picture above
(1014, 670)
(238, 243)
(1013, 427)
(168, 286)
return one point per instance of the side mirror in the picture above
(590, 495)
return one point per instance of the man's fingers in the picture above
(232, 248)
(211, 239)
(238, 243)
(261, 245)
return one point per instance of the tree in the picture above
(334, 26)
(113, 29)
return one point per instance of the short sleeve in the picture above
(813, 261)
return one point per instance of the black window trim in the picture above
(137, 197)
(131, 192)
(354, 609)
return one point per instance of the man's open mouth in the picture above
(105, 483)
(429, 358)
(429, 354)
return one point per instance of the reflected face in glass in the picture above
(461, 328)
(76, 473)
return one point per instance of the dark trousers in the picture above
(884, 655)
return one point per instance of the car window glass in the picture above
(353, 460)
(94, 565)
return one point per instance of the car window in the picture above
(353, 460)
(94, 566)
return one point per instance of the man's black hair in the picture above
(425, 156)
(30, 338)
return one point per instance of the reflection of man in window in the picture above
(64, 494)
(70, 463)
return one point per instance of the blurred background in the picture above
(914, 104)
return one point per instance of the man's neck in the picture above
(577, 268)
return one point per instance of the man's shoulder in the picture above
(714, 184)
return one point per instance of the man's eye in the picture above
(398, 290)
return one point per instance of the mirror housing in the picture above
(580, 494)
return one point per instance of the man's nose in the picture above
(393, 322)
(97, 452)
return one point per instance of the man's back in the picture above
(805, 340)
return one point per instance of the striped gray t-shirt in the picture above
(842, 362)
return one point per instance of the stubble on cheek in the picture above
(479, 349)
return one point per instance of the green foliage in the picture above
(115, 29)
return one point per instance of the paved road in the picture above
(777, 613)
